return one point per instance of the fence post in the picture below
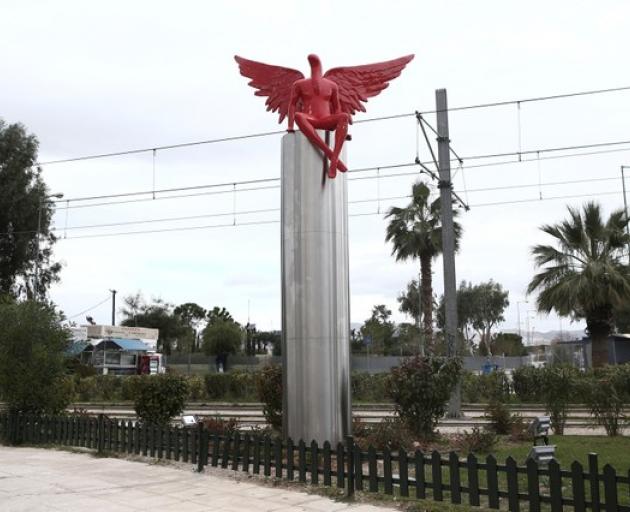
(278, 456)
(341, 466)
(314, 463)
(436, 475)
(290, 461)
(203, 448)
(577, 484)
(512, 484)
(593, 474)
(610, 488)
(473, 480)
(555, 486)
(421, 492)
(100, 433)
(403, 470)
(454, 479)
(493, 482)
(533, 485)
(387, 471)
(326, 460)
(350, 462)
(372, 470)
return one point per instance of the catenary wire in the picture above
(372, 119)
(89, 309)
(256, 223)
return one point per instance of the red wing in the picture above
(358, 83)
(272, 81)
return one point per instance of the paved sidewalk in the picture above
(33, 479)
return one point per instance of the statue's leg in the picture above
(311, 134)
(340, 136)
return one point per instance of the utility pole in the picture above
(113, 306)
(42, 201)
(419, 324)
(625, 204)
(518, 315)
(448, 238)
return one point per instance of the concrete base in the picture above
(315, 296)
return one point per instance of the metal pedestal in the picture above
(315, 296)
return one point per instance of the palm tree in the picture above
(583, 275)
(416, 232)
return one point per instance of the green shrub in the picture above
(559, 384)
(234, 385)
(499, 416)
(32, 360)
(269, 390)
(605, 391)
(486, 388)
(160, 397)
(527, 384)
(389, 433)
(420, 388)
(369, 387)
(475, 441)
(196, 388)
(129, 387)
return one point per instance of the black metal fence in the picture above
(477, 482)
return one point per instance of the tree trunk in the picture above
(599, 330)
(426, 289)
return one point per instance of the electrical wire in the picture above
(351, 171)
(89, 309)
(363, 214)
(277, 132)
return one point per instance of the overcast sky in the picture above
(97, 77)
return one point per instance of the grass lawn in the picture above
(611, 450)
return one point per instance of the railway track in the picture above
(251, 415)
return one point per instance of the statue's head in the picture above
(316, 64)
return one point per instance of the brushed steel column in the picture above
(315, 296)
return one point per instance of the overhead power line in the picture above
(232, 185)
(372, 119)
(89, 309)
(363, 214)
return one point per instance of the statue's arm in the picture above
(293, 99)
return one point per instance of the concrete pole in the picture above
(448, 238)
(113, 306)
(315, 296)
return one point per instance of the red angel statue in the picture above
(325, 102)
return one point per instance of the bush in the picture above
(519, 430)
(160, 397)
(235, 385)
(559, 384)
(499, 416)
(605, 391)
(527, 384)
(421, 388)
(269, 390)
(486, 388)
(32, 360)
(221, 426)
(196, 388)
(369, 387)
(475, 441)
(390, 433)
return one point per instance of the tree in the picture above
(489, 303)
(191, 316)
(32, 359)
(24, 207)
(217, 314)
(416, 232)
(379, 330)
(157, 315)
(220, 338)
(509, 344)
(480, 308)
(583, 276)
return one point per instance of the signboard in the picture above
(118, 331)
(79, 333)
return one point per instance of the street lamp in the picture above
(46, 199)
